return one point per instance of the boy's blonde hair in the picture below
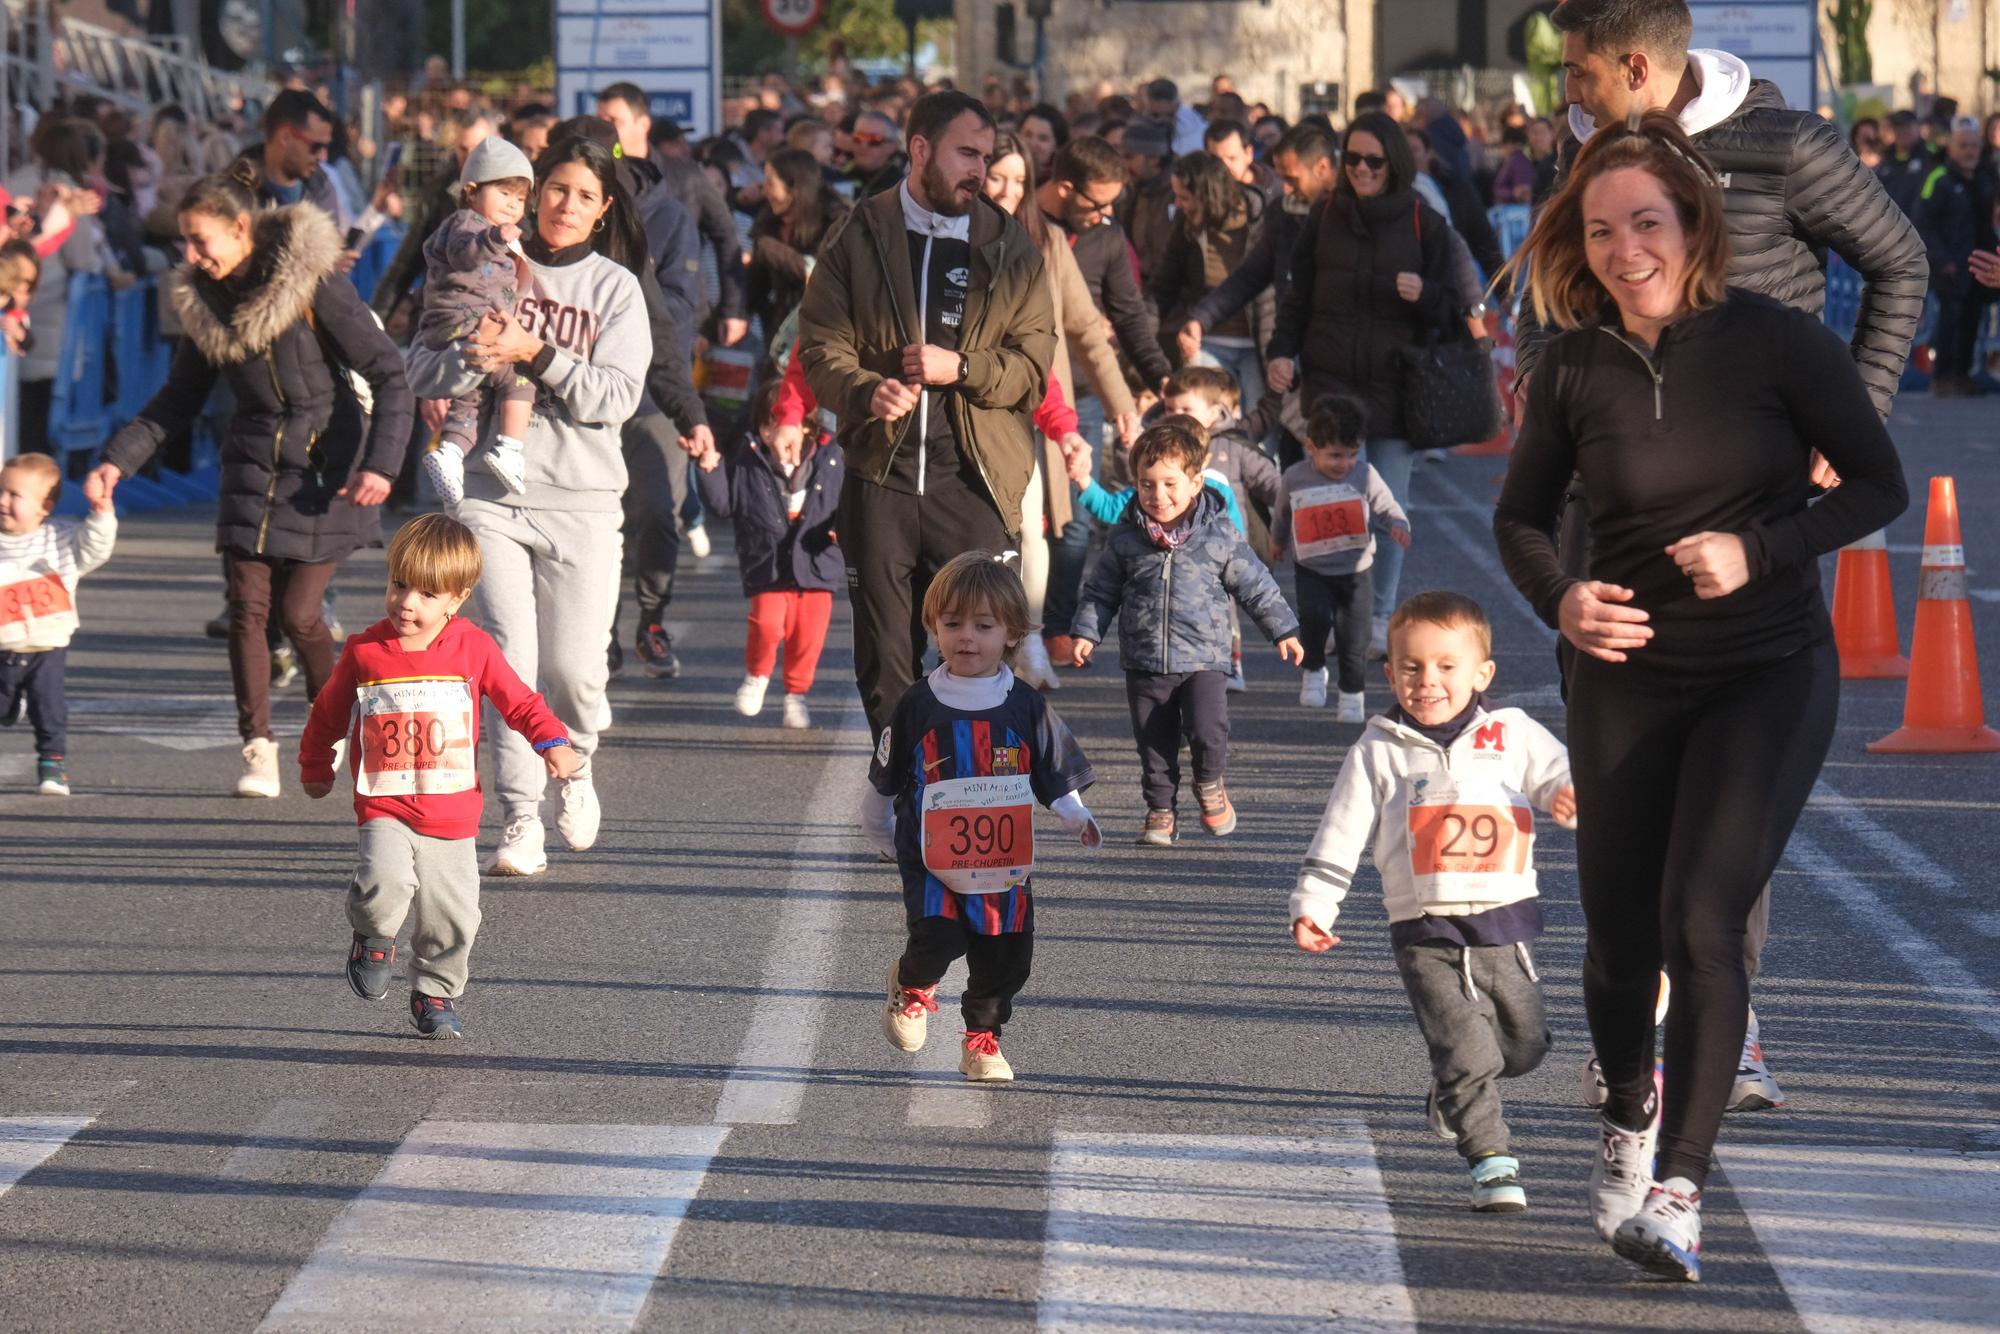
(1453, 611)
(435, 553)
(1178, 439)
(42, 466)
(974, 580)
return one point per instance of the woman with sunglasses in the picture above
(1371, 275)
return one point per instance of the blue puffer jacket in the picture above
(777, 552)
(1173, 605)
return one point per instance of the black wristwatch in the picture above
(964, 368)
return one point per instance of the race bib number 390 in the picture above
(35, 609)
(416, 739)
(1328, 519)
(979, 833)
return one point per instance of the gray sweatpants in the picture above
(546, 596)
(439, 877)
(1480, 1010)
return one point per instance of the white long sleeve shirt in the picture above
(1452, 826)
(38, 577)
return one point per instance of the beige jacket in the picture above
(1085, 339)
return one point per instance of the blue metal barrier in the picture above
(10, 403)
(1511, 223)
(375, 256)
(79, 418)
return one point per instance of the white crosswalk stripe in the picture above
(1221, 1232)
(479, 1225)
(26, 1142)
(1875, 1238)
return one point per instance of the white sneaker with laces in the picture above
(1622, 1172)
(522, 849)
(1378, 639)
(1351, 708)
(604, 713)
(1312, 689)
(1036, 669)
(698, 541)
(260, 769)
(750, 695)
(797, 716)
(1595, 1091)
(510, 465)
(580, 816)
(1664, 1236)
(1755, 1090)
(444, 469)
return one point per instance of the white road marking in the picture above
(1986, 594)
(1884, 842)
(1986, 923)
(476, 1225)
(176, 722)
(941, 1095)
(776, 1058)
(1878, 1237)
(1221, 1232)
(16, 769)
(279, 1140)
(26, 1142)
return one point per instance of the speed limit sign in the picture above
(793, 17)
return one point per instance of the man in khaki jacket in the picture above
(928, 330)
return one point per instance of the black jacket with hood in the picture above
(275, 330)
(774, 551)
(1792, 189)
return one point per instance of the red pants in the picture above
(796, 618)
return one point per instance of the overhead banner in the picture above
(672, 49)
(1778, 39)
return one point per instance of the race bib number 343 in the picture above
(35, 608)
(416, 739)
(979, 833)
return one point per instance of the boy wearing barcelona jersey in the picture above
(404, 698)
(966, 757)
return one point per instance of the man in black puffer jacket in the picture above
(1792, 188)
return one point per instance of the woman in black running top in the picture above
(1705, 688)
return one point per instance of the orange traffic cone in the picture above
(1942, 713)
(1864, 614)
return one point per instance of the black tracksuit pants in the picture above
(1169, 706)
(895, 543)
(657, 471)
(996, 967)
(1687, 791)
(1340, 604)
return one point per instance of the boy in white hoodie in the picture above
(1445, 786)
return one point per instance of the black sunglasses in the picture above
(1372, 161)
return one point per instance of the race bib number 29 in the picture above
(979, 833)
(416, 739)
(1465, 843)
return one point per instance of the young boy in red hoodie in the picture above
(404, 697)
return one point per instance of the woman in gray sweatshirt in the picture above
(580, 333)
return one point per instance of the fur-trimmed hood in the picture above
(296, 248)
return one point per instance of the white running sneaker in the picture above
(906, 1018)
(1595, 1091)
(284, 666)
(444, 469)
(581, 815)
(1352, 708)
(750, 695)
(1378, 639)
(698, 541)
(1312, 689)
(1036, 669)
(797, 716)
(510, 465)
(1622, 1173)
(1664, 1236)
(1755, 1090)
(1496, 1185)
(603, 713)
(522, 850)
(260, 769)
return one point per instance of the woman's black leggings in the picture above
(1687, 791)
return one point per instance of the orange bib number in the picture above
(1329, 519)
(979, 833)
(416, 739)
(35, 608)
(1465, 843)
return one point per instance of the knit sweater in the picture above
(38, 577)
(589, 313)
(411, 721)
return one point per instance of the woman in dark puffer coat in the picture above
(263, 307)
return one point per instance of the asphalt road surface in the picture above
(674, 1108)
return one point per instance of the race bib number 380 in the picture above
(979, 833)
(33, 609)
(1469, 843)
(416, 739)
(1329, 519)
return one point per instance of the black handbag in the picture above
(1450, 394)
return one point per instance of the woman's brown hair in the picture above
(228, 194)
(1554, 258)
(1219, 205)
(1028, 213)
